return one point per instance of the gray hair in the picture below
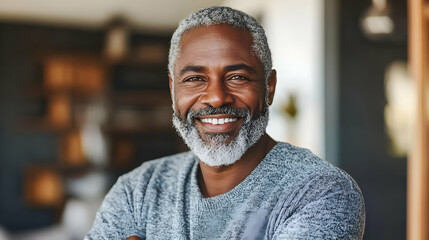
(223, 15)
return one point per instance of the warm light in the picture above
(43, 187)
(378, 24)
(88, 77)
(58, 74)
(400, 112)
(117, 40)
(80, 74)
(377, 20)
(59, 110)
(71, 149)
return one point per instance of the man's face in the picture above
(218, 83)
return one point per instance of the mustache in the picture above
(241, 113)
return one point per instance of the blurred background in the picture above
(84, 98)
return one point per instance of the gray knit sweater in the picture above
(291, 194)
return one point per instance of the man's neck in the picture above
(214, 181)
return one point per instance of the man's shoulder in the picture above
(296, 158)
(303, 167)
(317, 200)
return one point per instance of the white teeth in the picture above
(217, 121)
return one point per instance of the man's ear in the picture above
(272, 81)
(170, 83)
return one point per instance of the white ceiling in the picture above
(160, 15)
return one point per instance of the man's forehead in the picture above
(215, 30)
(217, 44)
(215, 39)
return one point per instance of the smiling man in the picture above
(236, 182)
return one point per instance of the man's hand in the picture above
(133, 238)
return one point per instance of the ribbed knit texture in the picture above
(291, 194)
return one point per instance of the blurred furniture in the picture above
(418, 162)
(73, 120)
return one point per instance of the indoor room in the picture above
(85, 98)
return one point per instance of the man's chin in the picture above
(216, 139)
(220, 149)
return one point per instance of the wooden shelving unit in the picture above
(418, 162)
(130, 96)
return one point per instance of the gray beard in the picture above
(215, 151)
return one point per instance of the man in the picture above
(236, 182)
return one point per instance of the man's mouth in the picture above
(219, 122)
(216, 121)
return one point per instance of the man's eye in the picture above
(238, 77)
(193, 79)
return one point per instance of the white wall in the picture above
(295, 32)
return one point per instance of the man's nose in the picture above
(216, 94)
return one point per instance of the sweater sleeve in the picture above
(115, 218)
(325, 208)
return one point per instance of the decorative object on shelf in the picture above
(94, 143)
(400, 109)
(58, 74)
(43, 187)
(290, 110)
(377, 22)
(59, 113)
(71, 150)
(88, 76)
(116, 45)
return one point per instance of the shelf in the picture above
(151, 98)
(133, 130)
(41, 124)
(37, 91)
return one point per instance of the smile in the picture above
(218, 121)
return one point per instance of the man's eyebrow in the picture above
(234, 67)
(239, 67)
(192, 68)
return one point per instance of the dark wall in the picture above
(363, 142)
(20, 46)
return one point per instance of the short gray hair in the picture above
(223, 15)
